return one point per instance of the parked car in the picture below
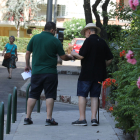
(75, 44)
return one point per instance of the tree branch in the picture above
(87, 9)
(105, 16)
(97, 16)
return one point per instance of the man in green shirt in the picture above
(44, 47)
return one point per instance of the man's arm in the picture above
(66, 57)
(108, 62)
(76, 55)
(27, 58)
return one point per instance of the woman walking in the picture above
(10, 63)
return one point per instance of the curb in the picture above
(60, 98)
(68, 72)
(64, 98)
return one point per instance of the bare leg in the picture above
(94, 107)
(49, 105)
(30, 105)
(10, 72)
(82, 108)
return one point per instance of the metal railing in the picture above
(14, 113)
(1, 120)
(14, 108)
(27, 95)
(8, 124)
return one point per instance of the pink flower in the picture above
(131, 4)
(136, 3)
(138, 83)
(129, 55)
(132, 61)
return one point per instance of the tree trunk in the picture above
(105, 18)
(103, 33)
(87, 9)
(18, 29)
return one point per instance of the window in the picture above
(79, 42)
(14, 33)
(43, 9)
(61, 10)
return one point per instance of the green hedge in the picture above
(113, 31)
(65, 44)
(73, 28)
(22, 43)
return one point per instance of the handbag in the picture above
(8, 55)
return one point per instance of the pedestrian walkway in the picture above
(65, 131)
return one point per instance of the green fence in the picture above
(14, 113)
(13, 104)
(1, 120)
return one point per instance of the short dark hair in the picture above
(12, 37)
(49, 26)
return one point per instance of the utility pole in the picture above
(55, 12)
(49, 10)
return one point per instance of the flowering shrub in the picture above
(111, 108)
(130, 57)
(138, 83)
(108, 82)
(133, 4)
(127, 111)
(122, 53)
(73, 28)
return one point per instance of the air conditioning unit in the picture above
(29, 30)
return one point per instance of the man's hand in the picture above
(72, 57)
(73, 53)
(2, 54)
(108, 62)
(76, 55)
(27, 69)
(67, 57)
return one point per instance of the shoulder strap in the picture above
(12, 48)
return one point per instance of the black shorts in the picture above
(84, 87)
(48, 82)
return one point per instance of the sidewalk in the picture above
(65, 131)
(67, 88)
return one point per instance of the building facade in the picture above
(66, 10)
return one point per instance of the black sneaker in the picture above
(82, 123)
(94, 122)
(50, 122)
(27, 121)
